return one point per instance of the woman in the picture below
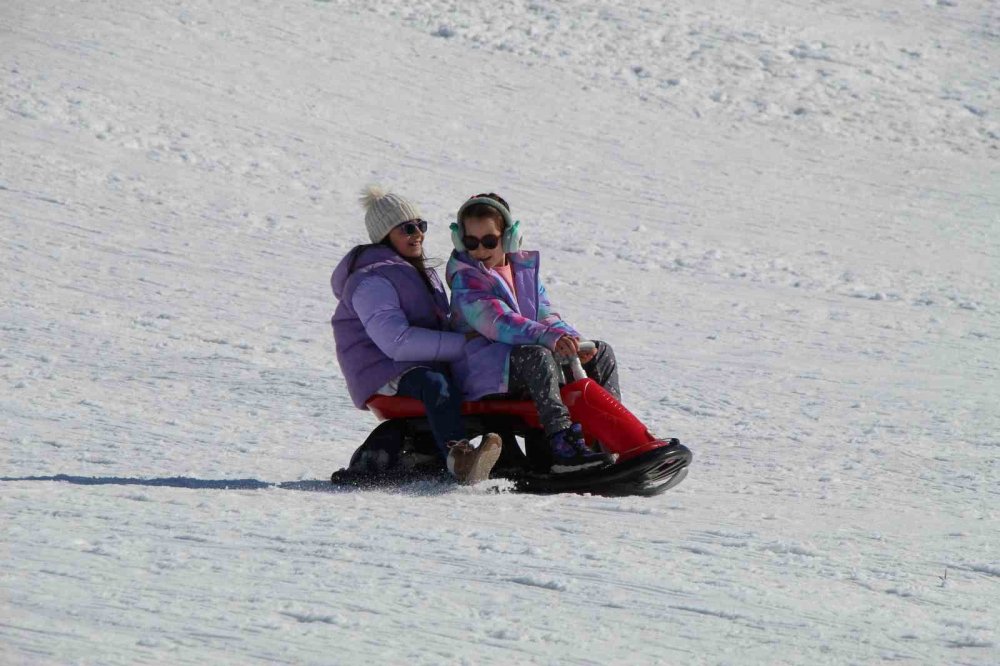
(496, 291)
(391, 329)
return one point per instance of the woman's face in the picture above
(480, 228)
(407, 244)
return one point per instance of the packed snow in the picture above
(784, 217)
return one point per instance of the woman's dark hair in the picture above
(421, 263)
(486, 210)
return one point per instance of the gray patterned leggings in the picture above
(534, 371)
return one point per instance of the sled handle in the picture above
(575, 367)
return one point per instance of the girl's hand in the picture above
(567, 346)
(587, 356)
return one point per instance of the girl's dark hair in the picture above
(496, 197)
(421, 263)
(486, 210)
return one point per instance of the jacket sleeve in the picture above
(549, 317)
(472, 296)
(377, 304)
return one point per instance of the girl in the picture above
(391, 329)
(496, 291)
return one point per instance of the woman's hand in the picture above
(567, 346)
(587, 356)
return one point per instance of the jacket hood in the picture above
(366, 255)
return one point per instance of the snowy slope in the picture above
(782, 215)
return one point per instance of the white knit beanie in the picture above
(384, 210)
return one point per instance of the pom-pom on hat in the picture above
(384, 210)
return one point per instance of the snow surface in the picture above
(783, 215)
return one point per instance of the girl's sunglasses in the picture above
(490, 242)
(410, 228)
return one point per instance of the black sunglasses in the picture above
(410, 228)
(490, 242)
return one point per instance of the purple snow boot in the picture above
(570, 452)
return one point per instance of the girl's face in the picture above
(480, 228)
(407, 239)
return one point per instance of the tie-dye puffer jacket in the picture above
(482, 301)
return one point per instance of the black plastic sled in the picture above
(401, 450)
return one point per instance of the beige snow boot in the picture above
(472, 465)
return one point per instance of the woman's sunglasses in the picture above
(490, 242)
(410, 228)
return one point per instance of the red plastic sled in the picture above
(604, 419)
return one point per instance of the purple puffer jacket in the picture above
(387, 320)
(481, 301)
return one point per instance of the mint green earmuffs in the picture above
(512, 236)
(456, 237)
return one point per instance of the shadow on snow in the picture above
(316, 485)
(181, 482)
